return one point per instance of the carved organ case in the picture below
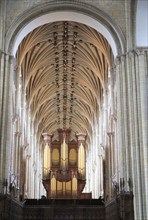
(64, 165)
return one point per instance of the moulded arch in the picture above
(65, 10)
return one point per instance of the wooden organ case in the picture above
(64, 166)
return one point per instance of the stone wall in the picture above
(113, 8)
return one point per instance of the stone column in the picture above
(122, 120)
(46, 155)
(6, 79)
(141, 58)
(133, 132)
(27, 185)
(2, 63)
(111, 163)
(143, 78)
(113, 119)
(17, 160)
(132, 127)
(100, 168)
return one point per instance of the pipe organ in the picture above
(64, 165)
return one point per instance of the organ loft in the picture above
(64, 169)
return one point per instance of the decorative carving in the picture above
(131, 54)
(141, 52)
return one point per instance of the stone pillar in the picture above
(100, 168)
(18, 91)
(122, 120)
(17, 158)
(46, 155)
(132, 129)
(28, 176)
(6, 78)
(110, 164)
(141, 58)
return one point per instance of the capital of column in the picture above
(141, 51)
(119, 60)
(7, 56)
(130, 54)
(122, 58)
(47, 137)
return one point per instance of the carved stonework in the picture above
(141, 52)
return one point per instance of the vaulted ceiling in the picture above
(64, 68)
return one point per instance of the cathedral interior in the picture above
(73, 103)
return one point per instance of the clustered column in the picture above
(6, 78)
(132, 130)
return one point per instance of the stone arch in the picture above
(65, 10)
(79, 13)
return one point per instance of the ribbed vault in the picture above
(64, 68)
